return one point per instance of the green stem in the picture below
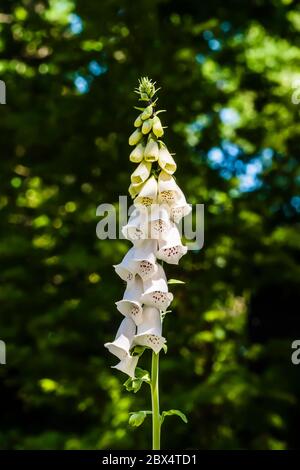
(155, 402)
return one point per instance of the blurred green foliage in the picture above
(228, 72)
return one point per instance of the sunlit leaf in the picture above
(173, 412)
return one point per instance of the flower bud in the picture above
(135, 137)
(138, 122)
(157, 127)
(151, 151)
(137, 154)
(147, 126)
(166, 161)
(134, 189)
(141, 173)
(147, 113)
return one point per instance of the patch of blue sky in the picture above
(226, 26)
(200, 58)
(249, 182)
(215, 45)
(193, 130)
(82, 84)
(295, 202)
(254, 167)
(225, 160)
(216, 157)
(75, 23)
(239, 167)
(267, 155)
(226, 174)
(208, 35)
(229, 116)
(231, 148)
(97, 69)
(199, 124)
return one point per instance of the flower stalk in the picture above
(159, 205)
(156, 419)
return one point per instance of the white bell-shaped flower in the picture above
(137, 226)
(127, 268)
(121, 345)
(127, 365)
(180, 208)
(168, 190)
(130, 306)
(144, 257)
(170, 248)
(140, 259)
(156, 291)
(159, 220)
(148, 193)
(149, 331)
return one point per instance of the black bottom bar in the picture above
(134, 459)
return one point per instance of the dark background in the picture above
(228, 74)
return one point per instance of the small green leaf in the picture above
(142, 374)
(129, 384)
(175, 281)
(173, 412)
(137, 418)
(165, 348)
(133, 385)
(137, 383)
